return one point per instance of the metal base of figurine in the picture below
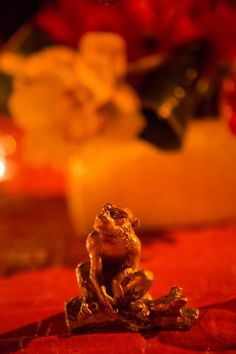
(134, 311)
(114, 291)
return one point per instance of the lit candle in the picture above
(7, 148)
(2, 168)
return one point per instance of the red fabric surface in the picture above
(203, 262)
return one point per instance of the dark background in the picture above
(13, 13)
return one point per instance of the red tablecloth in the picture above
(201, 261)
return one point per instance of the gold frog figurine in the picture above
(113, 290)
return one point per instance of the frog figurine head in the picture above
(112, 219)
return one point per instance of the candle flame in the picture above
(7, 147)
(2, 168)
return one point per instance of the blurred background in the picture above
(128, 102)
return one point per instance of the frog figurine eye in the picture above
(118, 214)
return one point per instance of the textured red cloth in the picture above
(203, 262)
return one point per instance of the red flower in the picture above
(166, 22)
(67, 20)
(219, 27)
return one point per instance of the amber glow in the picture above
(2, 168)
(7, 148)
(7, 145)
